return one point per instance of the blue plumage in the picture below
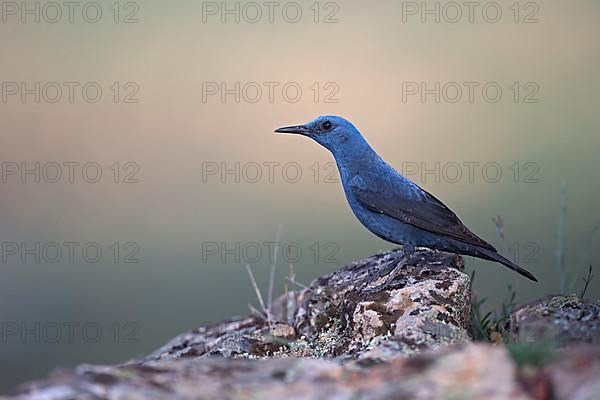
(390, 205)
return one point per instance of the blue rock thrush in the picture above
(390, 205)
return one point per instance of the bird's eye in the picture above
(326, 125)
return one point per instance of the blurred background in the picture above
(140, 172)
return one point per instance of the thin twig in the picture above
(560, 245)
(587, 281)
(293, 282)
(273, 265)
(258, 295)
(292, 272)
(301, 285)
(586, 254)
(255, 310)
(499, 222)
(309, 289)
(285, 303)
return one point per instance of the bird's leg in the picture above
(408, 250)
(389, 275)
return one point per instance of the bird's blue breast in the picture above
(384, 226)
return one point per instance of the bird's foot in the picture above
(385, 277)
(389, 274)
(409, 250)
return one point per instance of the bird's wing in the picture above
(404, 201)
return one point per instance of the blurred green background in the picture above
(175, 138)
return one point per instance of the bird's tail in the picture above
(493, 256)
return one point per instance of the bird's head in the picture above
(335, 133)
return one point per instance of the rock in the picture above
(479, 371)
(576, 373)
(473, 371)
(373, 310)
(386, 327)
(562, 320)
(470, 371)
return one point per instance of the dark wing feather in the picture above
(415, 207)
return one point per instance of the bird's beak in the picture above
(296, 129)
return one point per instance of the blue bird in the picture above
(390, 205)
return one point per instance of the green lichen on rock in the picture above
(378, 308)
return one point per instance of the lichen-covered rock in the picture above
(383, 328)
(375, 309)
(472, 371)
(562, 320)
